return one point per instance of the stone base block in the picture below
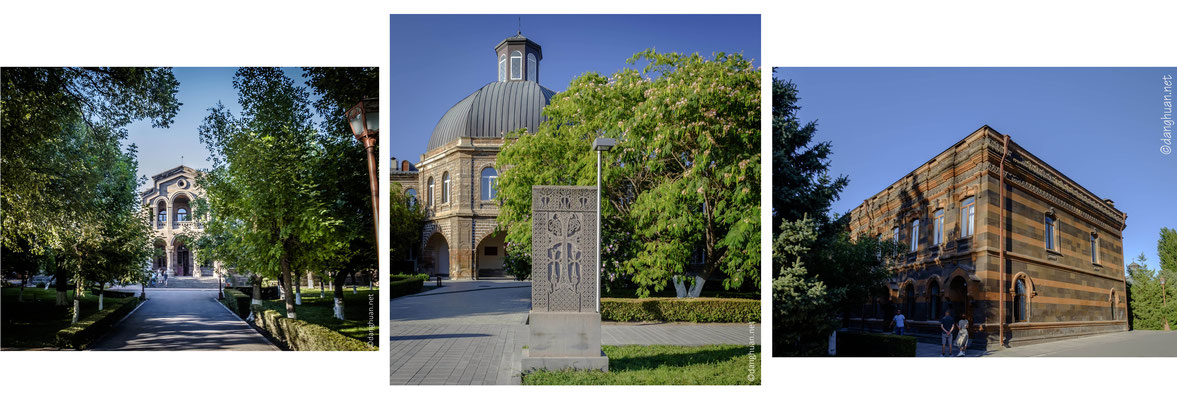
(564, 334)
(599, 363)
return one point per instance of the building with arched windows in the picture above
(456, 179)
(1048, 266)
(171, 197)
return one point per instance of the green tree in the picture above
(406, 219)
(683, 179)
(1167, 249)
(263, 196)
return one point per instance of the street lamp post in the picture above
(1164, 303)
(364, 119)
(600, 145)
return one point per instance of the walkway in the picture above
(182, 319)
(1119, 344)
(473, 333)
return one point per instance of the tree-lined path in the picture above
(182, 319)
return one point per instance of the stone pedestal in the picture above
(564, 323)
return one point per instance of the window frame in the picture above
(1094, 238)
(445, 187)
(429, 192)
(968, 224)
(503, 67)
(516, 68)
(1050, 232)
(532, 68)
(938, 227)
(915, 235)
(181, 214)
(1021, 306)
(488, 190)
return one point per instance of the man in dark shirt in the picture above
(947, 326)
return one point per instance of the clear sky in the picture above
(200, 89)
(1099, 126)
(437, 60)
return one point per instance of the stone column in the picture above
(565, 325)
(170, 218)
(171, 260)
(195, 265)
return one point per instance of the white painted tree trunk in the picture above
(833, 349)
(698, 288)
(298, 298)
(100, 295)
(680, 289)
(338, 308)
(77, 307)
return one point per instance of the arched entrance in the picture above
(491, 251)
(183, 260)
(958, 297)
(437, 255)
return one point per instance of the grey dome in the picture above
(497, 108)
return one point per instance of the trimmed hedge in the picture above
(403, 285)
(862, 344)
(671, 309)
(80, 335)
(237, 302)
(268, 292)
(113, 294)
(300, 335)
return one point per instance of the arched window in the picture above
(967, 216)
(181, 215)
(532, 74)
(429, 192)
(1094, 248)
(490, 183)
(163, 215)
(1051, 234)
(502, 68)
(934, 310)
(411, 195)
(915, 234)
(1020, 300)
(516, 65)
(938, 227)
(445, 188)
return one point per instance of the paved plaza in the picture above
(1119, 344)
(473, 333)
(182, 319)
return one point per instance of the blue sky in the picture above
(1099, 126)
(437, 60)
(200, 88)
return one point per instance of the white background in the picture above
(355, 33)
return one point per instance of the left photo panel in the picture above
(189, 208)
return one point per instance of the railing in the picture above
(186, 224)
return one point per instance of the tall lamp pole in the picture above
(600, 145)
(1164, 302)
(364, 119)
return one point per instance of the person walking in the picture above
(898, 322)
(165, 278)
(947, 326)
(962, 335)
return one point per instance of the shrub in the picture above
(403, 285)
(268, 292)
(517, 264)
(237, 302)
(300, 335)
(80, 335)
(114, 294)
(672, 309)
(862, 344)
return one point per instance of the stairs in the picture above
(190, 282)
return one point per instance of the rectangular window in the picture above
(938, 228)
(915, 234)
(491, 251)
(1050, 234)
(967, 216)
(1094, 248)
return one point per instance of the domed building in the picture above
(456, 180)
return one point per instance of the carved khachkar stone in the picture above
(564, 325)
(564, 256)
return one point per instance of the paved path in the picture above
(183, 319)
(473, 333)
(1119, 344)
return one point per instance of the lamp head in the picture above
(604, 144)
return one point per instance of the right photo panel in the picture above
(973, 212)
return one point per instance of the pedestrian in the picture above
(947, 326)
(165, 278)
(898, 322)
(962, 335)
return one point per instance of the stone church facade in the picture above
(1048, 266)
(456, 179)
(171, 197)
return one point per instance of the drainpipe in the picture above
(1001, 236)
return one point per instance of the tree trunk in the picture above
(338, 283)
(310, 280)
(287, 291)
(257, 290)
(61, 289)
(322, 288)
(24, 280)
(297, 289)
(353, 282)
(101, 290)
(370, 275)
(77, 300)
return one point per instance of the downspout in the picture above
(1001, 236)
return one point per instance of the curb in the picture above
(251, 326)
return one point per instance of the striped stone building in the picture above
(1049, 265)
(456, 179)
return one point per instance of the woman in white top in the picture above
(962, 338)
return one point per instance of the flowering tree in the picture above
(681, 188)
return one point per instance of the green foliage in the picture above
(404, 285)
(517, 264)
(360, 309)
(860, 344)
(1167, 249)
(80, 335)
(406, 219)
(237, 302)
(684, 176)
(672, 309)
(34, 323)
(664, 365)
(1149, 306)
(304, 336)
(819, 271)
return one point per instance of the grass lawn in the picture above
(321, 311)
(664, 365)
(35, 323)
